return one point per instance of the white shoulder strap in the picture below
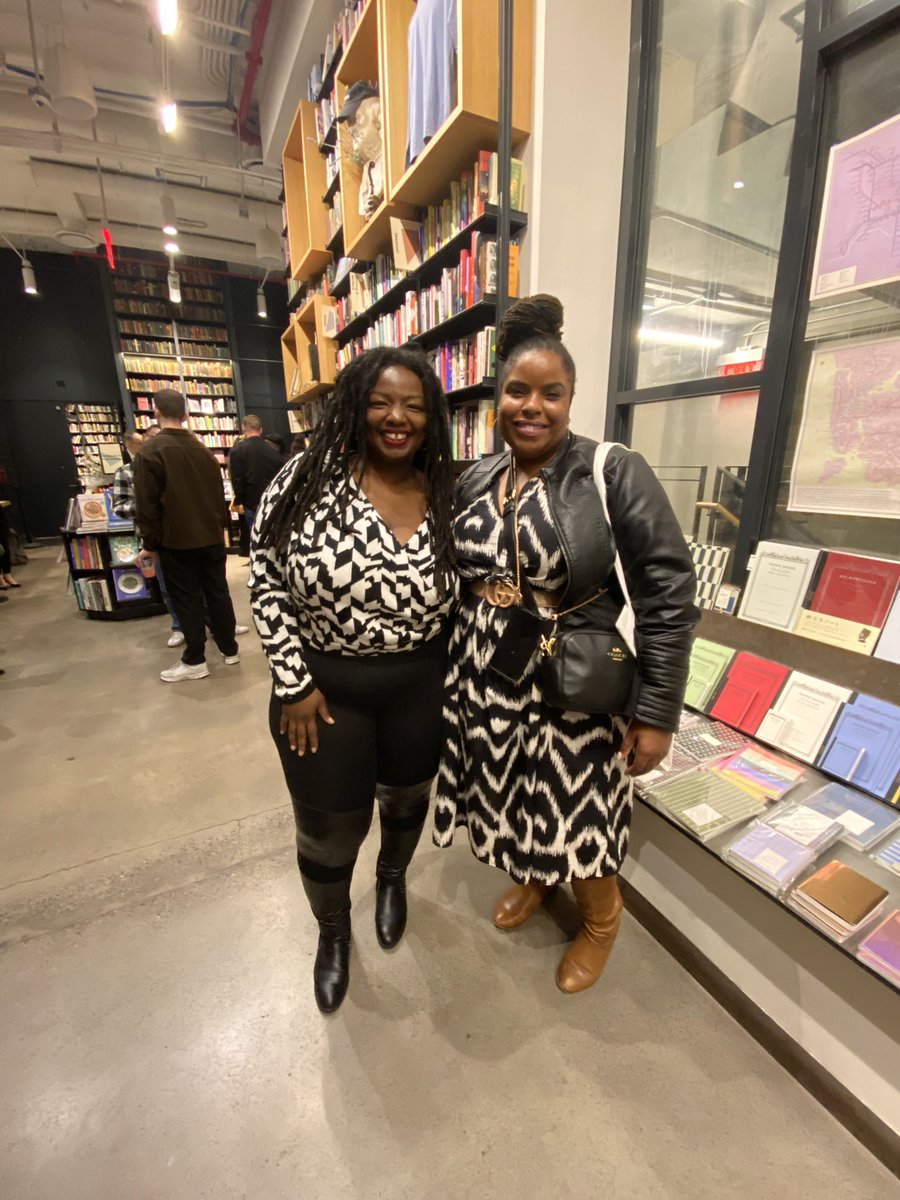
(625, 622)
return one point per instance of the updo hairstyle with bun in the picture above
(534, 323)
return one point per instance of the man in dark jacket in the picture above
(180, 511)
(253, 464)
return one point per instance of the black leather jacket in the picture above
(654, 554)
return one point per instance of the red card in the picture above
(856, 588)
(750, 686)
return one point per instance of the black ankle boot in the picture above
(390, 905)
(331, 974)
(403, 811)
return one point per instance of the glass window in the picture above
(727, 92)
(843, 8)
(699, 449)
(841, 473)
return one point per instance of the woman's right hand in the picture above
(300, 722)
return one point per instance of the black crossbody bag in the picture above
(580, 669)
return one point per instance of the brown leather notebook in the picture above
(843, 891)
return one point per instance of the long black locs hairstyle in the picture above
(338, 451)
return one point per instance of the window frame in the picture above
(824, 42)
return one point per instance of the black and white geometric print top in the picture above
(477, 537)
(345, 585)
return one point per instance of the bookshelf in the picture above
(106, 585)
(185, 346)
(91, 427)
(308, 350)
(338, 254)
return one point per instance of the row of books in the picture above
(467, 200)
(95, 411)
(212, 404)
(306, 417)
(334, 216)
(92, 594)
(332, 166)
(326, 111)
(146, 270)
(150, 308)
(77, 428)
(202, 368)
(847, 734)
(192, 387)
(847, 600)
(222, 424)
(472, 430)
(366, 287)
(219, 441)
(466, 362)
(164, 329)
(338, 37)
(92, 512)
(86, 553)
(192, 349)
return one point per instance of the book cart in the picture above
(185, 346)
(351, 293)
(852, 755)
(106, 586)
(92, 426)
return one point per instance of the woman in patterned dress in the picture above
(546, 794)
(352, 578)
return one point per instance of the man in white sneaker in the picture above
(180, 511)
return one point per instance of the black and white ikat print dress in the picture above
(344, 586)
(542, 791)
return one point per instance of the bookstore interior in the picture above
(722, 226)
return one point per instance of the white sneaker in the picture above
(241, 629)
(177, 638)
(184, 671)
(231, 659)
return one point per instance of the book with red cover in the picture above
(746, 693)
(855, 588)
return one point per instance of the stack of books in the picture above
(838, 899)
(796, 820)
(864, 821)
(881, 949)
(706, 804)
(769, 858)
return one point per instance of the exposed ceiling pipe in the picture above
(254, 60)
(48, 143)
(209, 43)
(215, 23)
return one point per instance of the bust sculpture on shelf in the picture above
(362, 115)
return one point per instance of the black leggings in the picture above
(387, 727)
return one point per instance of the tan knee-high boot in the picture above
(600, 905)
(516, 906)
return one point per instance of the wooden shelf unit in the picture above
(308, 327)
(304, 186)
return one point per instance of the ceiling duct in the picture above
(70, 88)
(269, 253)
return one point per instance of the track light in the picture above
(28, 280)
(168, 112)
(174, 282)
(167, 12)
(169, 220)
(170, 246)
(261, 302)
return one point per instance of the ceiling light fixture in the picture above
(167, 11)
(738, 184)
(169, 220)
(174, 281)
(29, 283)
(168, 112)
(66, 79)
(170, 246)
(261, 309)
(672, 337)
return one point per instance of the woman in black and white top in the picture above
(352, 579)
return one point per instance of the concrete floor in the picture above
(158, 1035)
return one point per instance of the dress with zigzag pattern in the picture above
(542, 791)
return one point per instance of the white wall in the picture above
(574, 164)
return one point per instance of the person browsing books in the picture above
(253, 464)
(544, 787)
(180, 512)
(351, 578)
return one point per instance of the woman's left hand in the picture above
(648, 745)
